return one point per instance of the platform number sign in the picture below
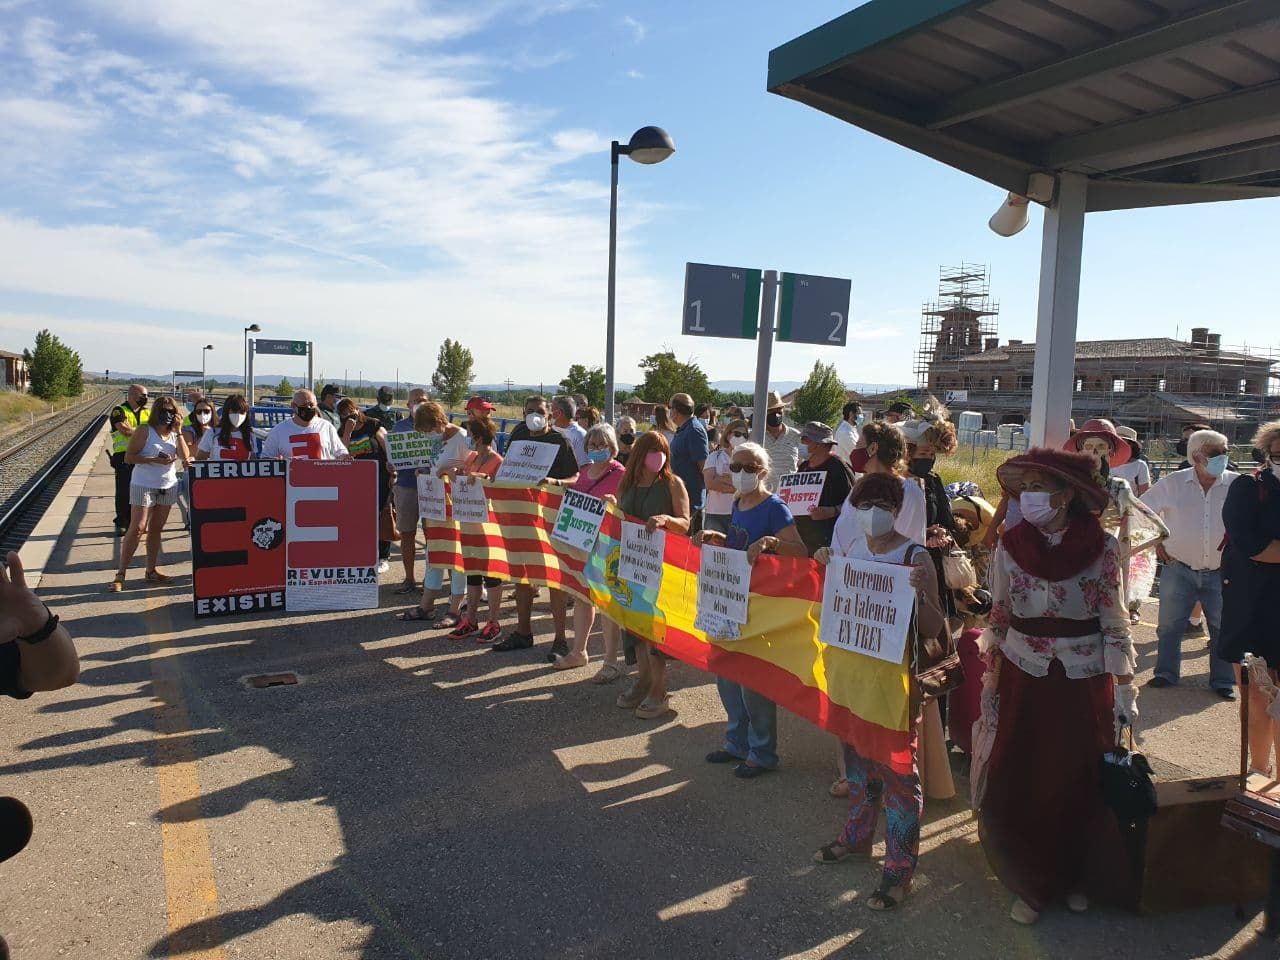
(814, 310)
(721, 301)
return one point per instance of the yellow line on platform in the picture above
(192, 895)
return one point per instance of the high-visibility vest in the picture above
(119, 441)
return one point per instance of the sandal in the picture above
(407, 587)
(887, 898)
(570, 661)
(839, 788)
(450, 619)
(835, 851)
(414, 614)
(653, 709)
(632, 697)
(116, 585)
(155, 576)
(609, 673)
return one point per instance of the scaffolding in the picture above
(961, 322)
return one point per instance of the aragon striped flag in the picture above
(862, 700)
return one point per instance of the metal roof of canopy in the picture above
(1155, 101)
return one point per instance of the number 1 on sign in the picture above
(697, 326)
(834, 337)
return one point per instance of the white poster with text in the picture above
(801, 491)
(866, 607)
(579, 519)
(470, 503)
(527, 462)
(724, 584)
(640, 555)
(431, 502)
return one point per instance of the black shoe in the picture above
(1159, 683)
(1227, 693)
(121, 529)
(559, 648)
(515, 640)
(1195, 630)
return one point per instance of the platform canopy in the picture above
(1153, 101)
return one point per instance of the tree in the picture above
(54, 369)
(75, 376)
(739, 398)
(665, 376)
(822, 397)
(590, 382)
(285, 389)
(454, 370)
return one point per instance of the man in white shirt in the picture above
(1190, 503)
(563, 410)
(304, 436)
(847, 432)
(781, 442)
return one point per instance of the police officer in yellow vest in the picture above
(124, 420)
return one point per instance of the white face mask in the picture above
(536, 422)
(1036, 508)
(435, 434)
(734, 441)
(745, 482)
(203, 417)
(875, 522)
(237, 419)
(413, 408)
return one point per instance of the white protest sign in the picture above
(527, 462)
(470, 505)
(431, 504)
(801, 491)
(579, 519)
(640, 555)
(408, 449)
(724, 583)
(866, 607)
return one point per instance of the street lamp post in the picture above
(647, 145)
(252, 328)
(204, 375)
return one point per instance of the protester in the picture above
(625, 428)
(706, 413)
(154, 449)
(478, 408)
(37, 653)
(928, 437)
(124, 420)
(587, 417)
(1181, 446)
(381, 411)
(876, 500)
(580, 402)
(600, 478)
(563, 411)
(404, 498)
(1136, 471)
(689, 451)
(880, 450)
(1191, 504)
(482, 463)
(819, 444)
(717, 478)
(973, 516)
(1061, 638)
(329, 397)
(1251, 583)
(651, 493)
(760, 523)
(847, 431)
(899, 412)
(199, 425)
(661, 421)
(366, 439)
(781, 442)
(233, 439)
(304, 436)
(563, 472)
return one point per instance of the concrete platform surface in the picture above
(414, 797)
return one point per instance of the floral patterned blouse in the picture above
(1094, 592)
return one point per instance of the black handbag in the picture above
(1127, 786)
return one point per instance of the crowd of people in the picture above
(1033, 586)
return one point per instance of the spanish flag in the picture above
(862, 700)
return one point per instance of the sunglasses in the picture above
(739, 467)
(739, 434)
(873, 503)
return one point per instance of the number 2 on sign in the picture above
(835, 331)
(697, 326)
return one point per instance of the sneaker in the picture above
(1159, 683)
(463, 630)
(1194, 629)
(492, 630)
(559, 648)
(515, 640)
(383, 566)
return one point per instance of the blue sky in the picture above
(377, 176)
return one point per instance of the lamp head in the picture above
(208, 346)
(650, 145)
(1012, 216)
(253, 328)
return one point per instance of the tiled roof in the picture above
(1159, 347)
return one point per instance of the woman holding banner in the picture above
(366, 439)
(599, 478)
(651, 493)
(876, 503)
(1062, 670)
(482, 463)
(760, 523)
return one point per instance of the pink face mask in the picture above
(655, 461)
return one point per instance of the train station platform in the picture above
(414, 797)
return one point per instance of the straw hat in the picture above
(1074, 469)
(1105, 429)
(774, 402)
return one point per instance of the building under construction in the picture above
(1154, 385)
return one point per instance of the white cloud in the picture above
(638, 30)
(634, 75)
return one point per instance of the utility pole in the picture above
(508, 382)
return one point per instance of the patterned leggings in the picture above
(871, 784)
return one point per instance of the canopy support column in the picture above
(1055, 367)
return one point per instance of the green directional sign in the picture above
(721, 301)
(814, 310)
(287, 348)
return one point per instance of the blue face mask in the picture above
(1216, 466)
(861, 419)
(598, 456)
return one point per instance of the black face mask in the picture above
(165, 418)
(306, 413)
(626, 439)
(774, 419)
(1181, 447)
(921, 466)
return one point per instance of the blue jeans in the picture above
(752, 733)
(433, 579)
(1180, 588)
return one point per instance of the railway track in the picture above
(34, 463)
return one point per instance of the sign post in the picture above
(281, 348)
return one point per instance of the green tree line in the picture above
(54, 368)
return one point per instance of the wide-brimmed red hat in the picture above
(1074, 469)
(1106, 430)
(479, 403)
